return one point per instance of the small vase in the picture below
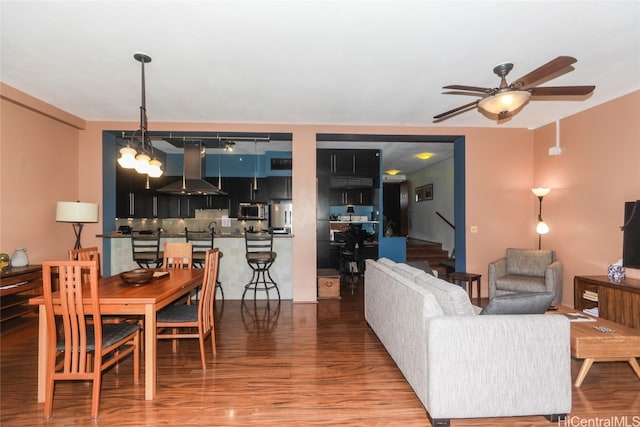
(19, 258)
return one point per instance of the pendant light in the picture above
(219, 173)
(255, 165)
(142, 158)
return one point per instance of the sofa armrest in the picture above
(498, 365)
(497, 269)
(553, 280)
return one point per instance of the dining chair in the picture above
(202, 242)
(92, 254)
(177, 255)
(69, 357)
(145, 249)
(86, 254)
(174, 318)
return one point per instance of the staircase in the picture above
(419, 250)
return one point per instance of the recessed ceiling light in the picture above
(424, 156)
(392, 172)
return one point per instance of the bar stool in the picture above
(260, 257)
(201, 243)
(459, 277)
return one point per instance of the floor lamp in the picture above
(542, 227)
(77, 213)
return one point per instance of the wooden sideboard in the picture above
(616, 301)
(17, 285)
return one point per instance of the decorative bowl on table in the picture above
(139, 276)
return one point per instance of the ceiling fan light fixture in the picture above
(504, 102)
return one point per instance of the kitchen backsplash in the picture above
(203, 221)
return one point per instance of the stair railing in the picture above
(445, 220)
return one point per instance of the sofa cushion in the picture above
(525, 303)
(406, 270)
(528, 262)
(520, 284)
(452, 298)
(421, 265)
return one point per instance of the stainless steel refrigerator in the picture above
(281, 217)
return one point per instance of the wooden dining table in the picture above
(118, 298)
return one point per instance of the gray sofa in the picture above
(461, 364)
(526, 270)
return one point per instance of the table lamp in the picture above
(77, 213)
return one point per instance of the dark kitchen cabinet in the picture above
(361, 196)
(132, 197)
(348, 162)
(279, 188)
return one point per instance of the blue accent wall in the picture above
(232, 165)
(459, 203)
(109, 158)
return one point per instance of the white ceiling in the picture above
(311, 61)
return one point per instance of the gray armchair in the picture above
(526, 270)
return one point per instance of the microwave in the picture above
(252, 211)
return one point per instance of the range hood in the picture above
(193, 182)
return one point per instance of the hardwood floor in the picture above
(287, 365)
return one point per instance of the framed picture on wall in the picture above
(424, 192)
(428, 192)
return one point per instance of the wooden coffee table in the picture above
(594, 345)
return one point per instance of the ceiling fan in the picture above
(507, 99)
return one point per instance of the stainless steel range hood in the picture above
(193, 182)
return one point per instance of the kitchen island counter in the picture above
(234, 271)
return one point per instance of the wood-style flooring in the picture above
(279, 365)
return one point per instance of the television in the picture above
(631, 235)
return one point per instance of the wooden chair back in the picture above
(178, 255)
(206, 302)
(86, 254)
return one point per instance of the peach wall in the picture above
(598, 170)
(38, 167)
(501, 166)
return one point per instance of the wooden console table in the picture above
(616, 301)
(17, 285)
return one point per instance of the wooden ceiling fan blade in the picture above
(540, 73)
(470, 88)
(561, 90)
(455, 110)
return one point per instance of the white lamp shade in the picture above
(142, 163)
(76, 212)
(540, 191)
(504, 102)
(542, 228)
(154, 170)
(127, 158)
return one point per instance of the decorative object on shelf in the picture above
(5, 261)
(19, 258)
(542, 227)
(351, 210)
(616, 272)
(141, 159)
(77, 213)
